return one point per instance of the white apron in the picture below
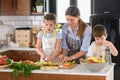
(48, 45)
(99, 51)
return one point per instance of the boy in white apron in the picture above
(97, 48)
(49, 40)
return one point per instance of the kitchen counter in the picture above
(9, 48)
(76, 73)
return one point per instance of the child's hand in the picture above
(49, 58)
(107, 43)
(43, 55)
(112, 48)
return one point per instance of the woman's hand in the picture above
(65, 59)
(61, 57)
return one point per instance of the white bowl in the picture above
(94, 67)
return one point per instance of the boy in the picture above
(97, 48)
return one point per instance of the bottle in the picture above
(8, 40)
(108, 55)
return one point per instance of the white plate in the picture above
(3, 66)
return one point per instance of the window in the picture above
(83, 5)
(62, 5)
(85, 9)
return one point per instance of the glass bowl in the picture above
(94, 67)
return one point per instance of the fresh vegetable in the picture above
(68, 63)
(4, 60)
(23, 67)
(9, 61)
(29, 62)
(50, 63)
(95, 60)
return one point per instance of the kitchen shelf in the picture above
(36, 13)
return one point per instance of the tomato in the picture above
(3, 62)
(29, 62)
(66, 64)
(91, 61)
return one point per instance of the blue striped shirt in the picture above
(85, 40)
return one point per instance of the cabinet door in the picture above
(23, 7)
(22, 55)
(7, 7)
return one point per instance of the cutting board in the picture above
(67, 67)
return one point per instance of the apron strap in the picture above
(54, 34)
(44, 33)
(96, 47)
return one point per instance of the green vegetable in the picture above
(8, 61)
(15, 72)
(23, 68)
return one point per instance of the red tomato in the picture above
(3, 62)
(91, 61)
(66, 64)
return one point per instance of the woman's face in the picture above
(72, 21)
(49, 25)
(100, 40)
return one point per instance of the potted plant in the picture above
(39, 6)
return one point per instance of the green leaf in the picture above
(15, 73)
(8, 61)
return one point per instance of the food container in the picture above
(23, 36)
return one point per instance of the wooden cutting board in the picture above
(67, 67)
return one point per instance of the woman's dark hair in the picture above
(99, 30)
(51, 17)
(74, 11)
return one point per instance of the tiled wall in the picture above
(22, 21)
(12, 22)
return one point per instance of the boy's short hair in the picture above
(50, 16)
(99, 30)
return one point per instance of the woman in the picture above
(76, 36)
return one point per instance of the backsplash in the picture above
(22, 21)
(12, 22)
